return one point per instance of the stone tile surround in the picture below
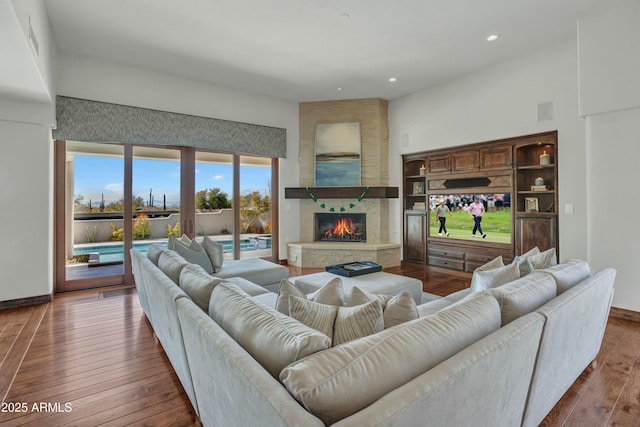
(374, 129)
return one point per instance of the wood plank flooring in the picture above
(90, 358)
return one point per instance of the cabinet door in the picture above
(439, 164)
(496, 157)
(532, 231)
(415, 237)
(465, 161)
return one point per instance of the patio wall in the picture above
(209, 223)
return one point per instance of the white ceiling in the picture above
(304, 50)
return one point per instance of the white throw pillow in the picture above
(523, 261)
(214, 252)
(331, 293)
(482, 280)
(543, 260)
(396, 309)
(493, 264)
(172, 239)
(194, 253)
(340, 323)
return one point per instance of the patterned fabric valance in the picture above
(92, 121)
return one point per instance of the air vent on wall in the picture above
(545, 111)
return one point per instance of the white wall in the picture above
(614, 204)
(82, 77)
(610, 98)
(26, 194)
(502, 102)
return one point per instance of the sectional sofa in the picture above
(503, 356)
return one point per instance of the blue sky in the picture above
(97, 176)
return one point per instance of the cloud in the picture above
(116, 187)
(218, 177)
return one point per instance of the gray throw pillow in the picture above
(214, 252)
(194, 253)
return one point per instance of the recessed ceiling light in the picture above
(493, 37)
(339, 89)
(393, 79)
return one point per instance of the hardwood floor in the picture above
(90, 358)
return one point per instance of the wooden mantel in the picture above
(341, 192)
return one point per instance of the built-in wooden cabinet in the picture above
(524, 168)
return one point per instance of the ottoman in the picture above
(376, 283)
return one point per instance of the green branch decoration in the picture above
(352, 205)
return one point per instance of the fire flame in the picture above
(342, 228)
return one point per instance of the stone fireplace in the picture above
(370, 241)
(340, 227)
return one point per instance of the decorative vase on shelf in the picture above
(545, 159)
(539, 181)
(423, 170)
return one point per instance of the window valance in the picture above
(93, 121)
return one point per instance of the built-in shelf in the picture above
(341, 192)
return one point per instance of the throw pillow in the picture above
(331, 293)
(401, 308)
(523, 261)
(172, 239)
(196, 283)
(340, 323)
(494, 263)
(193, 253)
(320, 317)
(396, 309)
(215, 253)
(543, 260)
(482, 280)
(154, 251)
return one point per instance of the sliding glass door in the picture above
(111, 197)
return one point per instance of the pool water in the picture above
(114, 252)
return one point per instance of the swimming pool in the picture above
(114, 252)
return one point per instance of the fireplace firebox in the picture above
(340, 227)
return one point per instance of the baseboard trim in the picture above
(622, 313)
(26, 302)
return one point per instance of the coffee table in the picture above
(376, 283)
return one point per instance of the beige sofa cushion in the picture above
(272, 338)
(171, 264)
(340, 323)
(153, 252)
(524, 295)
(338, 382)
(198, 284)
(569, 273)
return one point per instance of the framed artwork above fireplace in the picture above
(337, 161)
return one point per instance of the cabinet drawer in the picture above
(446, 253)
(482, 258)
(447, 263)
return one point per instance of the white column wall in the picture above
(610, 99)
(26, 220)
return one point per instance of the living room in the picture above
(585, 80)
